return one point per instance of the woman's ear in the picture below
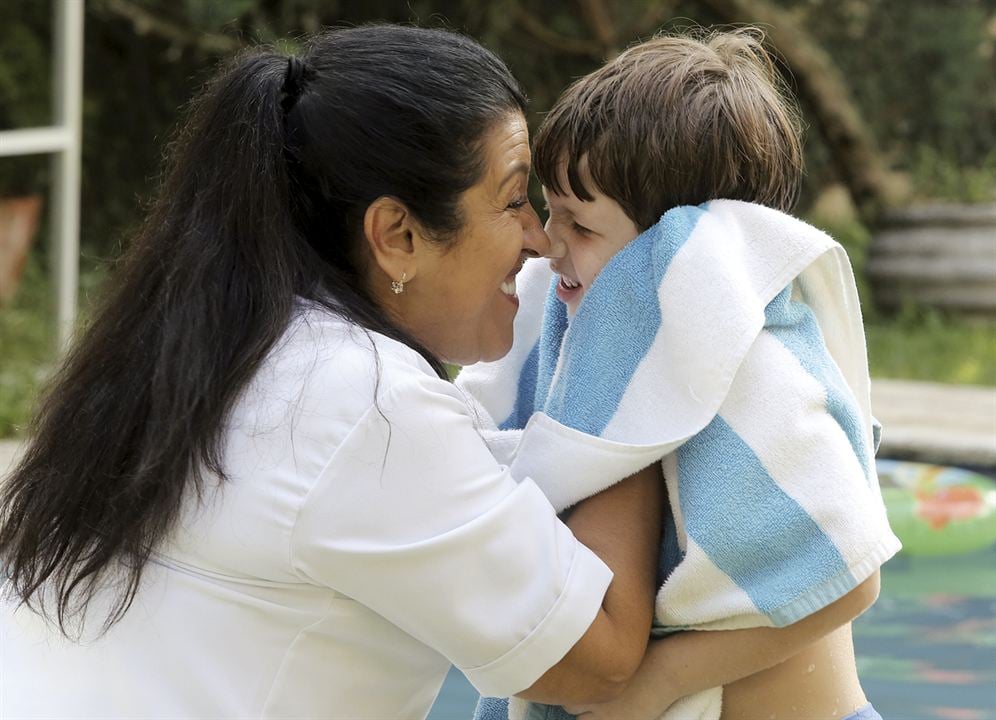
(390, 231)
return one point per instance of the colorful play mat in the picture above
(937, 509)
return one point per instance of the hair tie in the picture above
(294, 78)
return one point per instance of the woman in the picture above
(250, 491)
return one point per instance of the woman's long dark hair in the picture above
(261, 204)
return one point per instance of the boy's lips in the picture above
(569, 289)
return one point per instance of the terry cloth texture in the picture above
(725, 341)
(865, 712)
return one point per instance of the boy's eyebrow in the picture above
(561, 207)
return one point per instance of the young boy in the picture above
(690, 321)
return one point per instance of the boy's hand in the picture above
(645, 698)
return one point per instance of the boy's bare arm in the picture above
(622, 526)
(689, 662)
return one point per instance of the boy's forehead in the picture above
(559, 201)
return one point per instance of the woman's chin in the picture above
(495, 349)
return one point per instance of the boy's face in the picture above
(584, 235)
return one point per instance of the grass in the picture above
(925, 345)
(28, 343)
(915, 345)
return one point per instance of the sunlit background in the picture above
(899, 98)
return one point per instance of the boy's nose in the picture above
(556, 248)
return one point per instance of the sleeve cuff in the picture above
(569, 465)
(570, 617)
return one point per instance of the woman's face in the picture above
(462, 300)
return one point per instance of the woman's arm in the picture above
(689, 662)
(622, 526)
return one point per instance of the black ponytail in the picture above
(261, 205)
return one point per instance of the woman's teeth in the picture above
(508, 287)
(568, 283)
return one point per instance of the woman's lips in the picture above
(508, 284)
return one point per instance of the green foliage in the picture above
(25, 89)
(926, 345)
(27, 336)
(28, 352)
(937, 176)
(924, 76)
(212, 14)
(25, 59)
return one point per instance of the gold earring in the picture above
(398, 286)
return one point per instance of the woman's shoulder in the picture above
(324, 363)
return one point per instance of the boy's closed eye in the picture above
(567, 220)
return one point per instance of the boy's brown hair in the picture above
(677, 120)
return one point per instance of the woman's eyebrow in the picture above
(518, 168)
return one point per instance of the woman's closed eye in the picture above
(580, 229)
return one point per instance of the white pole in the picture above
(65, 196)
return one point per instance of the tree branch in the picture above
(146, 22)
(538, 29)
(821, 85)
(653, 17)
(599, 21)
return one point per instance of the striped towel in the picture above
(726, 342)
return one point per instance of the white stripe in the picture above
(779, 410)
(692, 390)
(706, 327)
(699, 594)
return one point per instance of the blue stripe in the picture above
(539, 711)
(748, 526)
(551, 338)
(491, 708)
(795, 326)
(525, 393)
(615, 326)
(671, 553)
